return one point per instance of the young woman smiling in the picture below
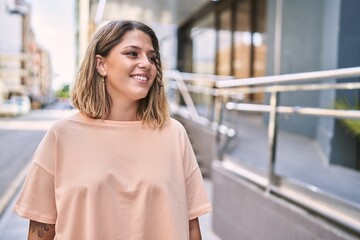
(121, 168)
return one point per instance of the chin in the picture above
(141, 96)
(140, 93)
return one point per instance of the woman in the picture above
(120, 168)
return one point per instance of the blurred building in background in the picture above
(25, 67)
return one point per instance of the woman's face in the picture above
(130, 67)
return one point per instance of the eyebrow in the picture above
(138, 48)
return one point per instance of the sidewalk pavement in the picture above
(13, 227)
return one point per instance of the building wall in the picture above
(301, 51)
(83, 28)
(10, 49)
(10, 25)
(345, 146)
(330, 41)
(318, 35)
(23, 70)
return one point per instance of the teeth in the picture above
(142, 78)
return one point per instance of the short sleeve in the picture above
(45, 154)
(198, 202)
(197, 198)
(188, 156)
(37, 198)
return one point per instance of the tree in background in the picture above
(64, 92)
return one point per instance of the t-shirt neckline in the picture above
(88, 119)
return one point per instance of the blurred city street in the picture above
(19, 138)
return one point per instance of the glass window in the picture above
(203, 45)
(185, 51)
(259, 45)
(224, 44)
(259, 38)
(242, 40)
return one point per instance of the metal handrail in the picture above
(180, 78)
(196, 77)
(177, 76)
(337, 113)
(274, 85)
(289, 78)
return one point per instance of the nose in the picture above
(144, 62)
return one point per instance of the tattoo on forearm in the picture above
(40, 228)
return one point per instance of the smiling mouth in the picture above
(140, 78)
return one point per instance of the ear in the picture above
(100, 65)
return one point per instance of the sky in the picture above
(53, 22)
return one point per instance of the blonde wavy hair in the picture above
(89, 93)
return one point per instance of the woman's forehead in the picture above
(136, 39)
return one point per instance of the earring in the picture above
(102, 78)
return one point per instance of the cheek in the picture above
(154, 73)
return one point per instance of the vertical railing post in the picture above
(272, 139)
(186, 96)
(218, 119)
(177, 97)
(218, 112)
(211, 113)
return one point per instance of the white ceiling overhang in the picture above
(151, 11)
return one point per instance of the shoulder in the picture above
(175, 129)
(174, 125)
(63, 123)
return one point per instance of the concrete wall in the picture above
(203, 140)
(243, 211)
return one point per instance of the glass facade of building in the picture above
(227, 38)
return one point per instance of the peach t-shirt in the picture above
(99, 179)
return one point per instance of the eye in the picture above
(152, 59)
(131, 54)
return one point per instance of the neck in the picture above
(123, 112)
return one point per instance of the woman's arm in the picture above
(194, 229)
(41, 231)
